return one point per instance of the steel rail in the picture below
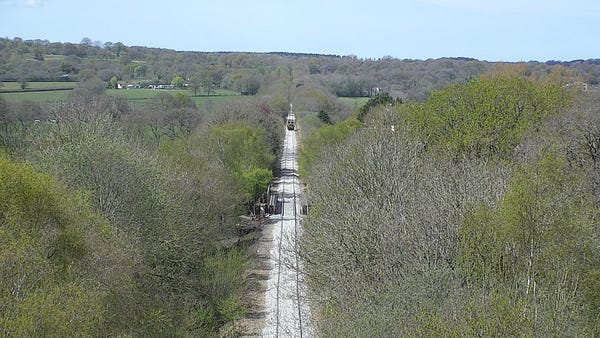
(278, 286)
(290, 247)
(298, 300)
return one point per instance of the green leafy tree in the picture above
(140, 71)
(178, 82)
(378, 99)
(50, 239)
(324, 117)
(320, 141)
(67, 68)
(535, 247)
(242, 149)
(497, 247)
(38, 54)
(255, 182)
(178, 207)
(484, 117)
(113, 83)
(181, 100)
(196, 83)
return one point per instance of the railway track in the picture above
(287, 311)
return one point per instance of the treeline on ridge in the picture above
(316, 79)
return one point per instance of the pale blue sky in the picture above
(494, 30)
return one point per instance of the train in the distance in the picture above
(291, 122)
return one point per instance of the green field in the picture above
(43, 96)
(203, 100)
(140, 96)
(39, 92)
(36, 91)
(144, 94)
(16, 86)
(54, 57)
(354, 101)
(38, 85)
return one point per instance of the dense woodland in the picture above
(473, 213)
(105, 233)
(460, 200)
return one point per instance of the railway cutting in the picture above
(279, 304)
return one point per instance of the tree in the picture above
(320, 142)
(255, 182)
(382, 221)
(181, 120)
(485, 117)
(140, 71)
(113, 83)
(49, 238)
(23, 83)
(324, 117)
(242, 149)
(124, 58)
(38, 54)
(178, 82)
(378, 99)
(208, 83)
(4, 109)
(178, 207)
(195, 83)
(117, 48)
(181, 100)
(534, 246)
(67, 68)
(92, 87)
